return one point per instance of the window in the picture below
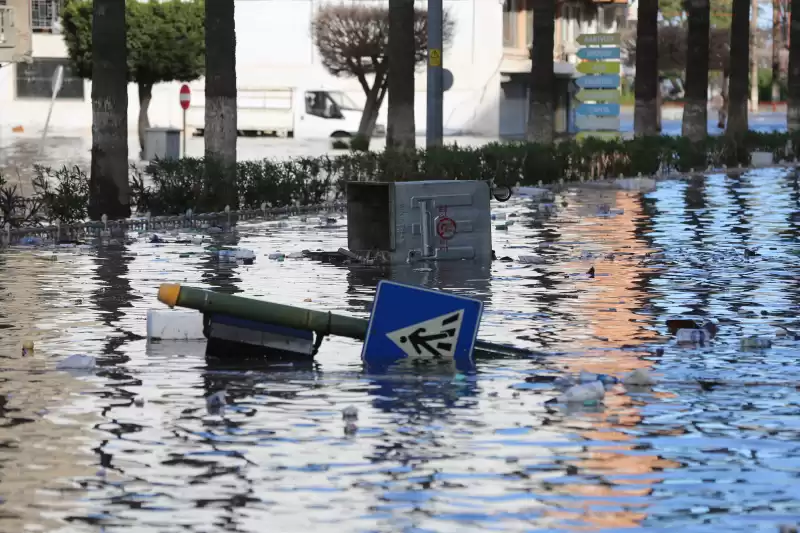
(510, 10)
(45, 15)
(320, 104)
(35, 80)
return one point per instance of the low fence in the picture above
(108, 228)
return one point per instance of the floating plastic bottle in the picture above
(692, 336)
(77, 362)
(755, 342)
(639, 377)
(586, 393)
(238, 254)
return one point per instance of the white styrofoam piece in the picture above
(174, 325)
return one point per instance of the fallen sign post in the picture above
(326, 323)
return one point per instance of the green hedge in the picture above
(193, 183)
(172, 187)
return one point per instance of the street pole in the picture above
(184, 133)
(434, 126)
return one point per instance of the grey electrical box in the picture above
(162, 143)
(420, 220)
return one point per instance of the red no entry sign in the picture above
(446, 228)
(186, 96)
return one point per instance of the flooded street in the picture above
(714, 446)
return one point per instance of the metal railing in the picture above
(189, 221)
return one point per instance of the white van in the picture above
(288, 112)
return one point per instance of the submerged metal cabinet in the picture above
(420, 220)
(162, 143)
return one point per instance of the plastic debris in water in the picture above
(138, 401)
(27, 348)
(589, 377)
(501, 227)
(350, 412)
(498, 216)
(296, 255)
(77, 362)
(216, 402)
(755, 342)
(532, 260)
(692, 336)
(277, 256)
(350, 429)
(639, 377)
(239, 254)
(31, 241)
(585, 393)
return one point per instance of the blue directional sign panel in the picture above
(599, 53)
(598, 110)
(600, 81)
(412, 322)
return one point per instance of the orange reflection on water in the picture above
(607, 308)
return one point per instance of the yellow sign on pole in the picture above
(435, 57)
(598, 67)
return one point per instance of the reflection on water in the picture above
(135, 447)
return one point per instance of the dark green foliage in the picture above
(63, 194)
(175, 186)
(166, 40)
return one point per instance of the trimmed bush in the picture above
(190, 183)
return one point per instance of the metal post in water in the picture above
(320, 322)
(434, 126)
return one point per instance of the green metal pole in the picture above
(321, 322)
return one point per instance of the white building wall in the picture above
(275, 49)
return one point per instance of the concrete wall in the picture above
(274, 49)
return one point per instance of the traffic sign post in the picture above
(422, 325)
(186, 100)
(598, 113)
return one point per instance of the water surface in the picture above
(714, 446)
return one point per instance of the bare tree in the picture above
(353, 41)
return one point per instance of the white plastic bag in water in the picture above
(77, 362)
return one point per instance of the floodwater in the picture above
(714, 446)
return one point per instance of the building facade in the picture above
(488, 56)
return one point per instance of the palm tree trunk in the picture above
(777, 42)
(220, 90)
(645, 115)
(793, 83)
(695, 109)
(108, 184)
(754, 56)
(740, 63)
(400, 127)
(541, 111)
